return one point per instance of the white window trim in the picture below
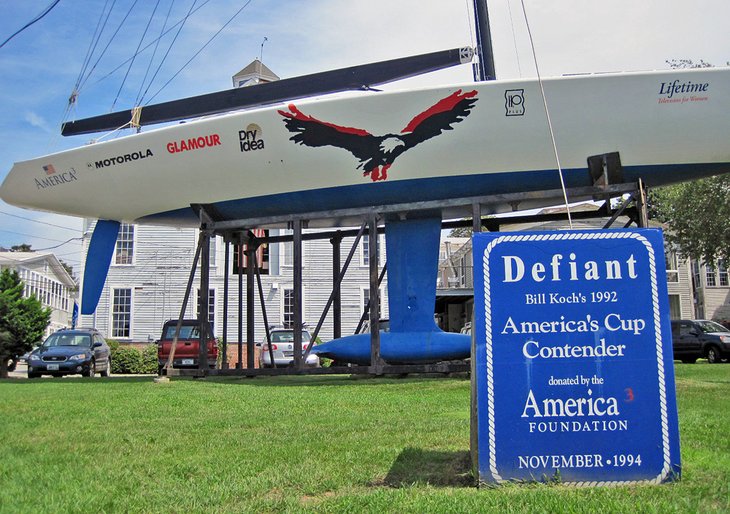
(381, 296)
(215, 304)
(283, 288)
(110, 324)
(381, 247)
(134, 247)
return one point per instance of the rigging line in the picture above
(136, 52)
(73, 97)
(154, 53)
(201, 49)
(470, 22)
(547, 114)
(514, 38)
(95, 38)
(169, 48)
(31, 22)
(108, 44)
(172, 27)
(37, 221)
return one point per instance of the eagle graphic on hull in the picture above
(377, 153)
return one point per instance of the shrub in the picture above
(130, 360)
(149, 359)
(126, 360)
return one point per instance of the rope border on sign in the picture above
(666, 468)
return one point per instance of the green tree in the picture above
(698, 217)
(22, 320)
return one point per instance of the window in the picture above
(365, 246)
(716, 275)
(722, 273)
(211, 308)
(287, 306)
(675, 309)
(672, 265)
(696, 274)
(121, 313)
(366, 299)
(124, 252)
(287, 312)
(710, 275)
(262, 255)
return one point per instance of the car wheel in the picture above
(713, 355)
(689, 360)
(108, 370)
(91, 371)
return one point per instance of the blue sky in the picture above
(41, 65)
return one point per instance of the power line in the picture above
(31, 22)
(41, 222)
(77, 239)
(30, 235)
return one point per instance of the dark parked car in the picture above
(70, 352)
(692, 339)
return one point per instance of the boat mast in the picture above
(484, 69)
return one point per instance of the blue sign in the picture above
(573, 358)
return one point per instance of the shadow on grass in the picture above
(435, 468)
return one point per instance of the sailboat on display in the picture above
(285, 149)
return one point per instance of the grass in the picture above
(297, 444)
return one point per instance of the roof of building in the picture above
(17, 259)
(256, 69)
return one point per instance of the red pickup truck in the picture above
(187, 350)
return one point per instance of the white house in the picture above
(712, 290)
(151, 266)
(46, 279)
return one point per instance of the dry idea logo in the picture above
(251, 138)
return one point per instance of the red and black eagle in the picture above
(377, 153)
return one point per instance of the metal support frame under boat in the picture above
(238, 232)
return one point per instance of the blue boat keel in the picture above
(412, 248)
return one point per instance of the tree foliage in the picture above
(698, 213)
(698, 217)
(23, 321)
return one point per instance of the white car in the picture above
(282, 346)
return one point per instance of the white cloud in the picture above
(37, 121)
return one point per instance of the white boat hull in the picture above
(667, 127)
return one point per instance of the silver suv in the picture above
(282, 346)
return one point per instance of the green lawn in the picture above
(320, 444)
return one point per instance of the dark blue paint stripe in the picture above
(428, 189)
